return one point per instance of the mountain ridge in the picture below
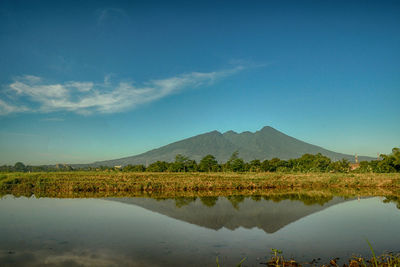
(266, 143)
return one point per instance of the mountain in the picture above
(266, 143)
(267, 215)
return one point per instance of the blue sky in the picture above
(98, 80)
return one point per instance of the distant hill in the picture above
(266, 143)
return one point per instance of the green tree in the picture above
(19, 167)
(321, 163)
(158, 166)
(340, 166)
(191, 166)
(387, 163)
(265, 166)
(390, 163)
(283, 166)
(134, 168)
(273, 164)
(235, 163)
(311, 163)
(182, 164)
(255, 165)
(238, 165)
(396, 158)
(208, 164)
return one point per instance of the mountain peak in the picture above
(264, 129)
(215, 132)
(230, 132)
(267, 128)
(266, 143)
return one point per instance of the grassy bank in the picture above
(384, 260)
(187, 184)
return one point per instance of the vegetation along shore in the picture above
(306, 163)
(196, 183)
(184, 176)
(278, 260)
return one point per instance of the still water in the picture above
(191, 231)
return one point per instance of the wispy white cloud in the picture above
(80, 86)
(6, 108)
(88, 97)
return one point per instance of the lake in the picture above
(192, 231)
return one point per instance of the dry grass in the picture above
(198, 184)
(384, 260)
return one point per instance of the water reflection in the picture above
(68, 258)
(210, 201)
(191, 231)
(267, 213)
(392, 199)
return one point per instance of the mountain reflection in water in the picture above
(191, 231)
(266, 213)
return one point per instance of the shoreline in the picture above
(198, 184)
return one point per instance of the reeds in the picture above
(200, 184)
(384, 260)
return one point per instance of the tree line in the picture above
(306, 163)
